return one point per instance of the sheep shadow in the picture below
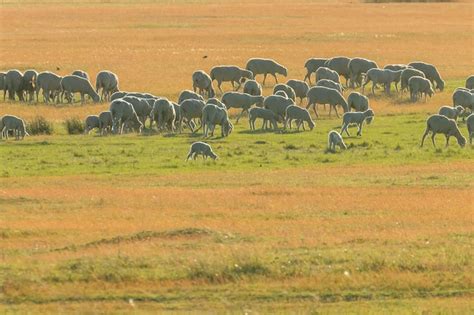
(259, 131)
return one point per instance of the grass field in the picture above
(93, 224)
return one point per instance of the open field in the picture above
(277, 224)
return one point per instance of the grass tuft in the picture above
(40, 126)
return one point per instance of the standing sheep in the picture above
(356, 118)
(312, 65)
(241, 100)
(141, 106)
(201, 148)
(213, 115)
(252, 87)
(382, 76)
(431, 73)
(14, 85)
(328, 74)
(463, 98)
(91, 122)
(232, 74)
(451, 112)
(470, 82)
(29, 83)
(441, 124)
(323, 95)
(190, 109)
(339, 64)
(71, 84)
(419, 85)
(2, 83)
(106, 122)
(335, 138)
(278, 104)
(265, 67)
(406, 75)
(108, 82)
(123, 113)
(290, 93)
(358, 102)
(301, 115)
(266, 114)
(164, 114)
(203, 82)
(301, 88)
(16, 124)
(50, 83)
(189, 95)
(359, 66)
(470, 127)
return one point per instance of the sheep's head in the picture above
(440, 85)
(283, 71)
(430, 92)
(96, 98)
(247, 74)
(461, 140)
(311, 124)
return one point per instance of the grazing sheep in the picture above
(281, 93)
(290, 93)
(14, 85)
(29, 83)
(81, 73)
(73, 84)
(357, 67)
(232, 74)
(312, 65)
(301, 88)
(441, 124)
(108, 82)
(203, 82)
(470, 82)
(217, 102)
(189, 95)
(278, 104)
(382, 76)
(265, 67)
(451, 112)
(301, 115)
(335, 139)
(123, 113)
(419, 85)
(470, 127)
(339, 64)
(201, 148)
(266, 114)
(396, 67)
(328, 74)
(431, 73)
(330, 84)
(50, 84)
(241, 100)
(463, 98)
(2, 82)
(141, 106)
(252, 87)
(92, 121)
(190, 109)
(16, 124)
(406, 75)
(213, 115)
(106, 122)
(323, 95)
(356, 118)
(164, 114)
(358, 102)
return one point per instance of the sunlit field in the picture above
(278, 224)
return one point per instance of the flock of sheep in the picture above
(201, 108)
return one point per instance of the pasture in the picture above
(277, 224)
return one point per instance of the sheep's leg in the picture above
(424, 136)
(264, 78)
(447, 140)
(335, 109)
(274, 75)
(359, 129)
(344, 128)
(373, 88)
(238, 86)
(330, 109)
(241, 113)
(433, 139)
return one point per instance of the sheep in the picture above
(281, 93)
(406, 75)
(10, 122)
(463, 98)
(339, 64)
(123, 113)
(74, 84)
(190, 109)
(217, 102)
(189, 95)
(232, 74)
(106, 122)
(108, 82)
(117, 95)
(164, 114)
(203, 82)
(431, 73)
(323, 95)
(312, 65)
(451, 112)
(2, 83)
(29, 83)
(14, 85)
(470, 127)
(252, 87)
(241, 100)
(213, 115)
(419, 85)
(382, 76)
(92, 121)
(396, 67)
(278, 104)
(358, 102)
(335, 138)
(470, 82)
(265, 67)
(441, 124)
(300, 114)
(141, 106)
(50, 83)
(120, 94)
(203, 149)
(357, 67)
(328, 74)
(356, 118)
(81, 73)
(330, 84)
(290, 93)
(300, 87)
(265, 114)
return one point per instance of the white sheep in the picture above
(357, 118)
(2, 83)
(123, 113)
(358, 102)
(441, 124)
(470, 82)
(201, 148)
(335, 139)
(431, 73)
(382, 76)
(323, 95)
(328, 74)
(451, 112)
(339, 64)
(189, 95)
(278, 104)
(470, 127)
(252, 87)
(203, 82)
(265, 67)
(50, 83)
(266, 114)
(301, 88)
(241, 100)
(419, 85)
(141, 106)
(190, 109)
(213, 115)
(16, 124)
(312, 65)
(301, 115)
(164, 114)
(290, 93)
(71, 84)
(232, 74)
(92, 121)
(463, 98)
(14, 84)
(108, 82)
(29, 83)
(406, 75)
(106, 122)
(358, 67)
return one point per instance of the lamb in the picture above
(451, 112)
(73, 84)
(359, 66)
(203, 149)
(356, 118)
(463, 98)
(328, 74)
(190, 109)
(189, 95)
(382, 76)
(106, 122)
(164, 114)
(216, 102)
(278, 104)
(252, 87)
(323, 95)
(312, 65)
(358, 102)
(241, 100)
(335, 138)
(266, 114)
(10, 122)
(81, 73)
(290, 93)
(431, 73)
(123, 113)
(29, 83)
(50, 83)
(419, 85)
(213, 115)
(301, 88)
(141, 106)
(265, 67)
(339, 64)
(108, 82)
(406, 75)
(232, 74)
(330, 84)
(470, 82)
(92, 121)
(470, 127)
(203, 82)
(14, 85)
(300, 114)
(441, 124)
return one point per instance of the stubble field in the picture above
(277, 224)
